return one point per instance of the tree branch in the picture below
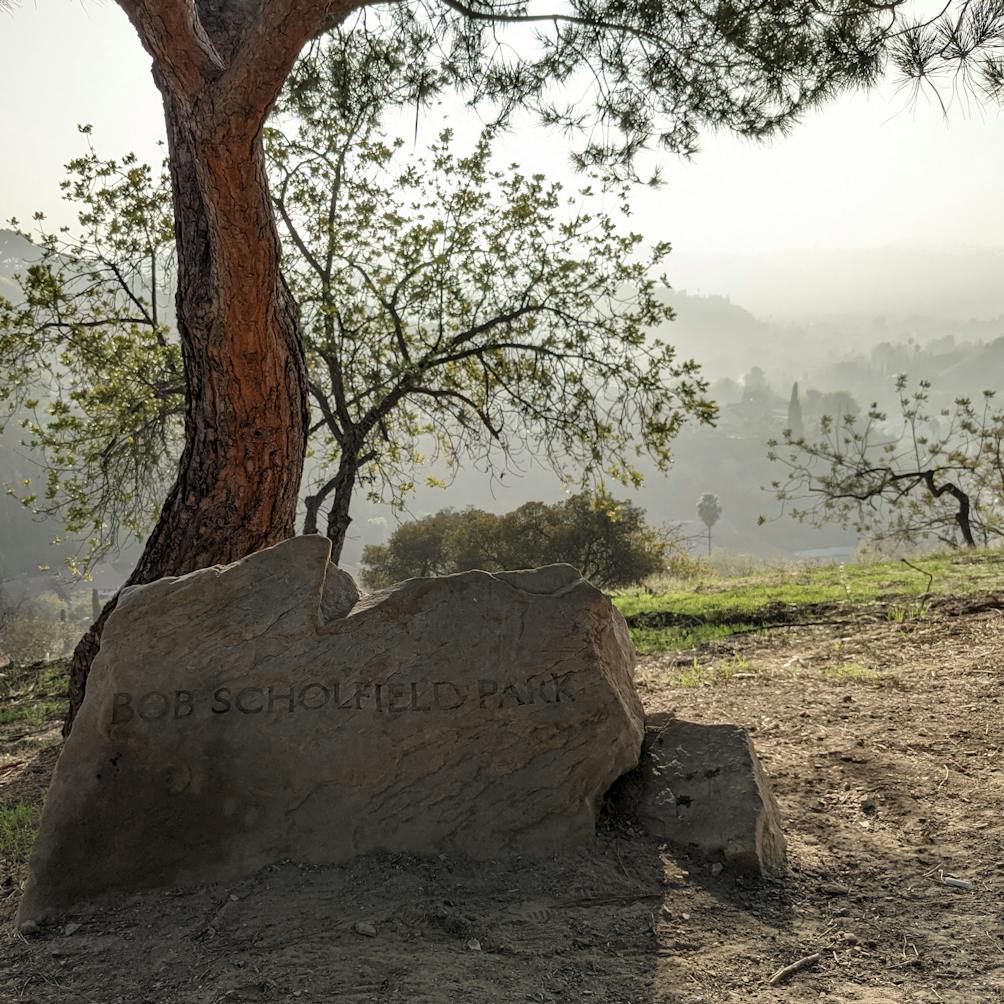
(173, 34)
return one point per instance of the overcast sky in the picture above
(870, 171)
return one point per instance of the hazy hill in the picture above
(943, 283)
(725, 338)
(15, 253)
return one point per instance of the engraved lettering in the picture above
(436, 695)
(415, 706)
(242, 706)
(343, 705)
(395, 693)
(122, 708)
(275, 695)
(485, 690)
(221, 701)
(510, 691)
(380, 698)
(184, 704)
(153, 706)
(308, 703)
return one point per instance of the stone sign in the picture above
(259, 711)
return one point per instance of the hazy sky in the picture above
(867, 172)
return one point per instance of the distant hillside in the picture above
(723, 337)
(15, 254)
(984, 370)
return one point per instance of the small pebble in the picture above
(71, 928)
(29, 927)
(474, 945)
(716, 868)
(365, 928)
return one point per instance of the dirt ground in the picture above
(888, 781)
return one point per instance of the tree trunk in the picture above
(247, 413)
(964, 512)
(338, 516)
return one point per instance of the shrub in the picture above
(607, 540)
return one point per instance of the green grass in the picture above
(720, 671)
(18, 827)
(714, 607)
(850, 671)
(652, 640)
(33, 695)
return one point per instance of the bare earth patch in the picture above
(884, 740)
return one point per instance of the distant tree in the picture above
(921, 476)
(709, 510)
(795, 413)
(836, 404)
(445, 305)
(607, 540)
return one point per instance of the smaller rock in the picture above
(716, 868)
(29, 928)
(702, 788)
(71, 928)
(365, 928)
(868, 806)
(474, 945)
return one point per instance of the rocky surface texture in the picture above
(256, 712)
(701, 788)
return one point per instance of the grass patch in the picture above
(35, 694)
(18, 829)
(698, 675)
(714, 607)
(652, 640)
(849, 671)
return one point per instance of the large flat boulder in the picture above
(254, 712)
(701, 787)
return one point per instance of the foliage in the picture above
(928, 476)
(960, 51)
(450, 310)
(608, 541)
(458, 310)
(624, 77)
(709, 509)
(88, 361)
